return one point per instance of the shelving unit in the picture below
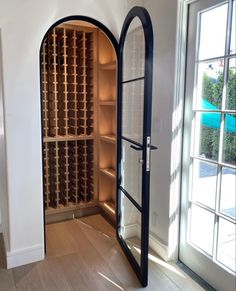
(107, 126)
(78, 77)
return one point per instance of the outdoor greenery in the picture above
(212, 92)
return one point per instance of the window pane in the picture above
(202, 228)
(204, 183)
(132, 110)
(210, 85)
(229, 144)
(130, 227)
(207, 135)
(226, 244)
(231, 86)
(134, 51)
(228, 190)
(213, 32)
(233, 31)
(131, 171)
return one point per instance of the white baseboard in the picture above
(131, 231)
(25, 256)
(158, 247)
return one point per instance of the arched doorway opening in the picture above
(78, 70)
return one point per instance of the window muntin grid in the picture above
(222, 116)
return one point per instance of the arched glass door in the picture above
(134, 138)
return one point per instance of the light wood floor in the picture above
(83, 255)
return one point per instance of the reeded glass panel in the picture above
(226, 244)
(213, 32)
(132, 110)
(228, 190)
(207, 135)
(229, 142)
(130, 228)
(202, 228)
(134, 51)
(204, 183)
(131, 171)
(231, 86)
(210, 85)
(233, 31)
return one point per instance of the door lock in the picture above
(149, 148)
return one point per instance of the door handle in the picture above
(140, 148)
(152, 148)
(137, 148)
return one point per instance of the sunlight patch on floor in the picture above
(162, 263)
(112, 282)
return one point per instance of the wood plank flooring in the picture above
(84, 255)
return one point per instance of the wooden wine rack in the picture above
(78, 78)
(68, 172)
(67, 59)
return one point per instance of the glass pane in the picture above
(213, 32)
(231, 86)
(131, 171)
(132, 110)
(204, 183)
(207, 135)
(226, 244)
(134, 51)
(228, 190)
(233, 31)
(229, 143)
(210, 85)
(130, 227)
(202, 229)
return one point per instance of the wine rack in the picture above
(68, 172)
(78, 81)
(67, 76)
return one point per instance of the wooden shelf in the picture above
(109, 138)
(107, 103)
(108, 66)
(68, 138)
(109, 207)
(109, 172)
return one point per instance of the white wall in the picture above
(3, 170)
(164, 18)
(23, 25)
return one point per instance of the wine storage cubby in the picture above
(67, 81)
(68, 172)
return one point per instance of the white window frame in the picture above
(177, 130)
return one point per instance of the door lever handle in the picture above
(137, 148)
(152, 147)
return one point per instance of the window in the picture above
(213, 157)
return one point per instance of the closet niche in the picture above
(79, 94)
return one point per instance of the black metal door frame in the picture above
(142, 14)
